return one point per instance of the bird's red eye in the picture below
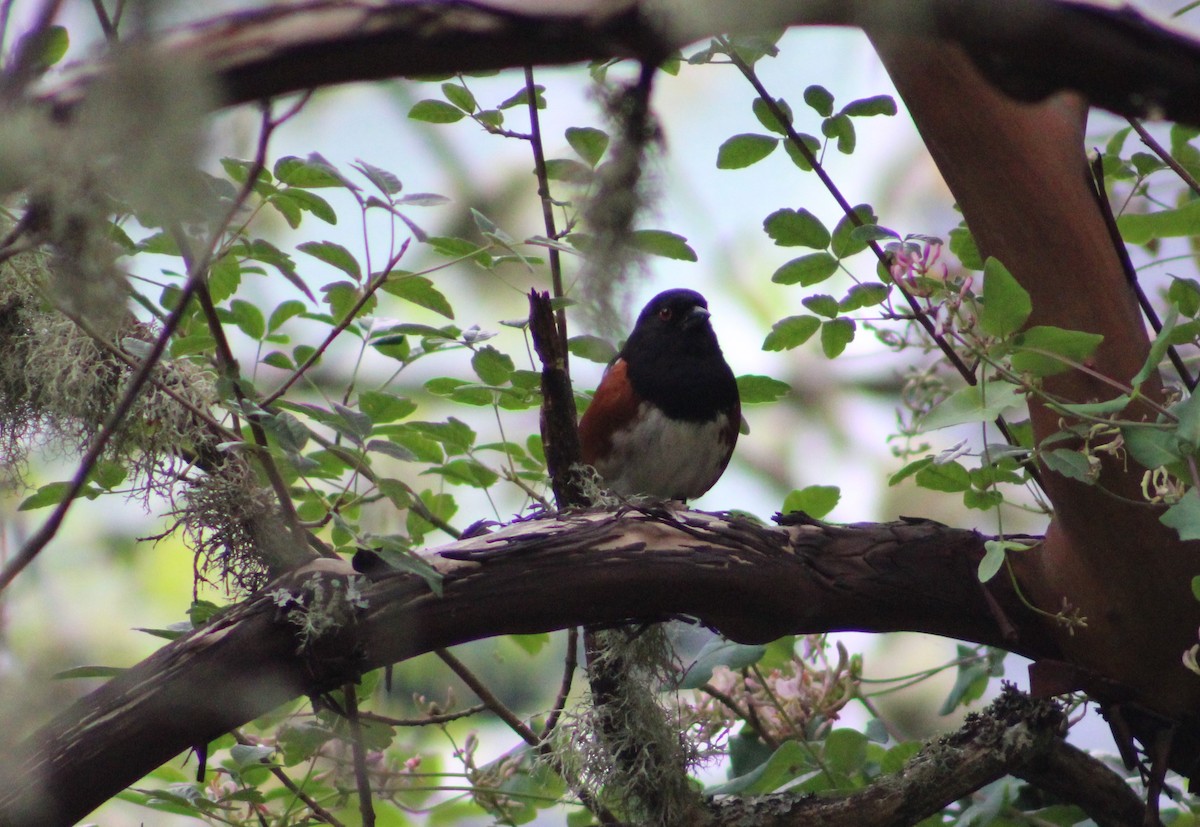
(665, 314)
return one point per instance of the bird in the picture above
(665, 417)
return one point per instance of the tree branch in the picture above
(1014, 736)
(1117, 58)
(753, 582)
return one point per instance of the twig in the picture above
(488, 697)
(426, 721)
(1167, 158)
(1131, 277)
(366, 805)
(316, 809)
(919, 316)
(543, 179)
(195, 278)
(570, 662)
(372, 286)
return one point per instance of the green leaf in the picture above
(384, 181)
(1151, 447)
(807, 270)
(982, 500)
(872, 232)
(962, 244)
(1184, 516)
(1114, 405)
(846, 241)
(392, 449)
(435, 111)
(841, 128)
(974, 403)
(569, 170)
(522, 99)
(283, 312)
(333, 254)
(382, 406)
(814, 500)
(821, 304)
(1188, 412)
(1158, 348)
(1073, 345)
(462, 392)
(1071, 464)
(307, 174)
(248, 318)
(420, 291)
(592, 348)
(1142, 228)
(745, 149)
(1006, 304)
(1196, 587)
(867, 294)
(819, 98)
(810, 142)
(867, 107)
(460, 96)
(909, 469)
(835, 335)
(48, 49)
(53, 493)
(949, 477)
(531, 644)
(790, 760)
(663, 243)
(342, 296)
(970, 683)
(845, 751)
(1185, 295)
(757, 390)
(589, 143)
(465, 472)
(492, 366)
(720, 652)
(88, 672)
(768, 119)
(796, 228)
(791, 332)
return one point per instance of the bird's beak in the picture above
(698, 316)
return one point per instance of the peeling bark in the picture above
(753, 582)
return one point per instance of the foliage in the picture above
(347, 398)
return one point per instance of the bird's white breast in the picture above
(661, 457)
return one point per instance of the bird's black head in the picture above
(676, 319)
(674, 361)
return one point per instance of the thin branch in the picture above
(372, 286)
(316, 809)
(570, 662)
(444, 718)
(1167, 158)
(922, 318)
(543, 179)
(489, 698)
(1131, 275)
(106, 23)
(362, 780)
(193, 282)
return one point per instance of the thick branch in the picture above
(1116, 58)
(1019, 175)
(753, 582)
(1013, 736)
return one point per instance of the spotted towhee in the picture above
(665, 417)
